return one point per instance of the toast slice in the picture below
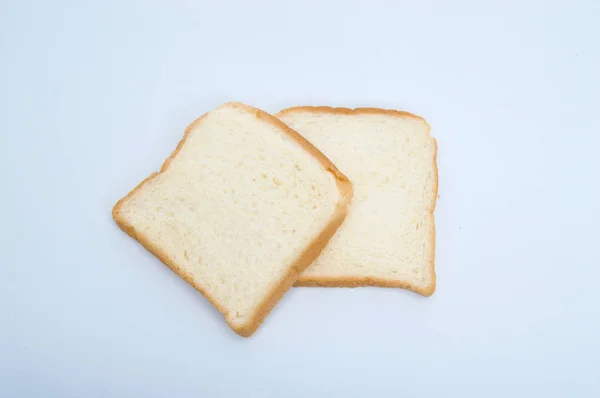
(388, 238)
(241, 207)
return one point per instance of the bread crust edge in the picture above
(306, 258)
(331, 281)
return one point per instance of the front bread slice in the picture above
(239, 210)
(388, 238)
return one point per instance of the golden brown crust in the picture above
(311, 252)
(360, 281)
(348, 111)
(329, 281)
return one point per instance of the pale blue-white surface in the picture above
(94, 96)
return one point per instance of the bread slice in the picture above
(388, 238)
(241, 207)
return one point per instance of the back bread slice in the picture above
(241, 207)
(388, 238)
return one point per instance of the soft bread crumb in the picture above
(220, 211)
(388, 238)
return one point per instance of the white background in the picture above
(93, 97)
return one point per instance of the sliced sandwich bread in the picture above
(388, 238)
(239, 210)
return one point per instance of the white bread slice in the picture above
(241, 207)
(388, 238)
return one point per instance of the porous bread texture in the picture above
(241, 207)
(388, 238)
